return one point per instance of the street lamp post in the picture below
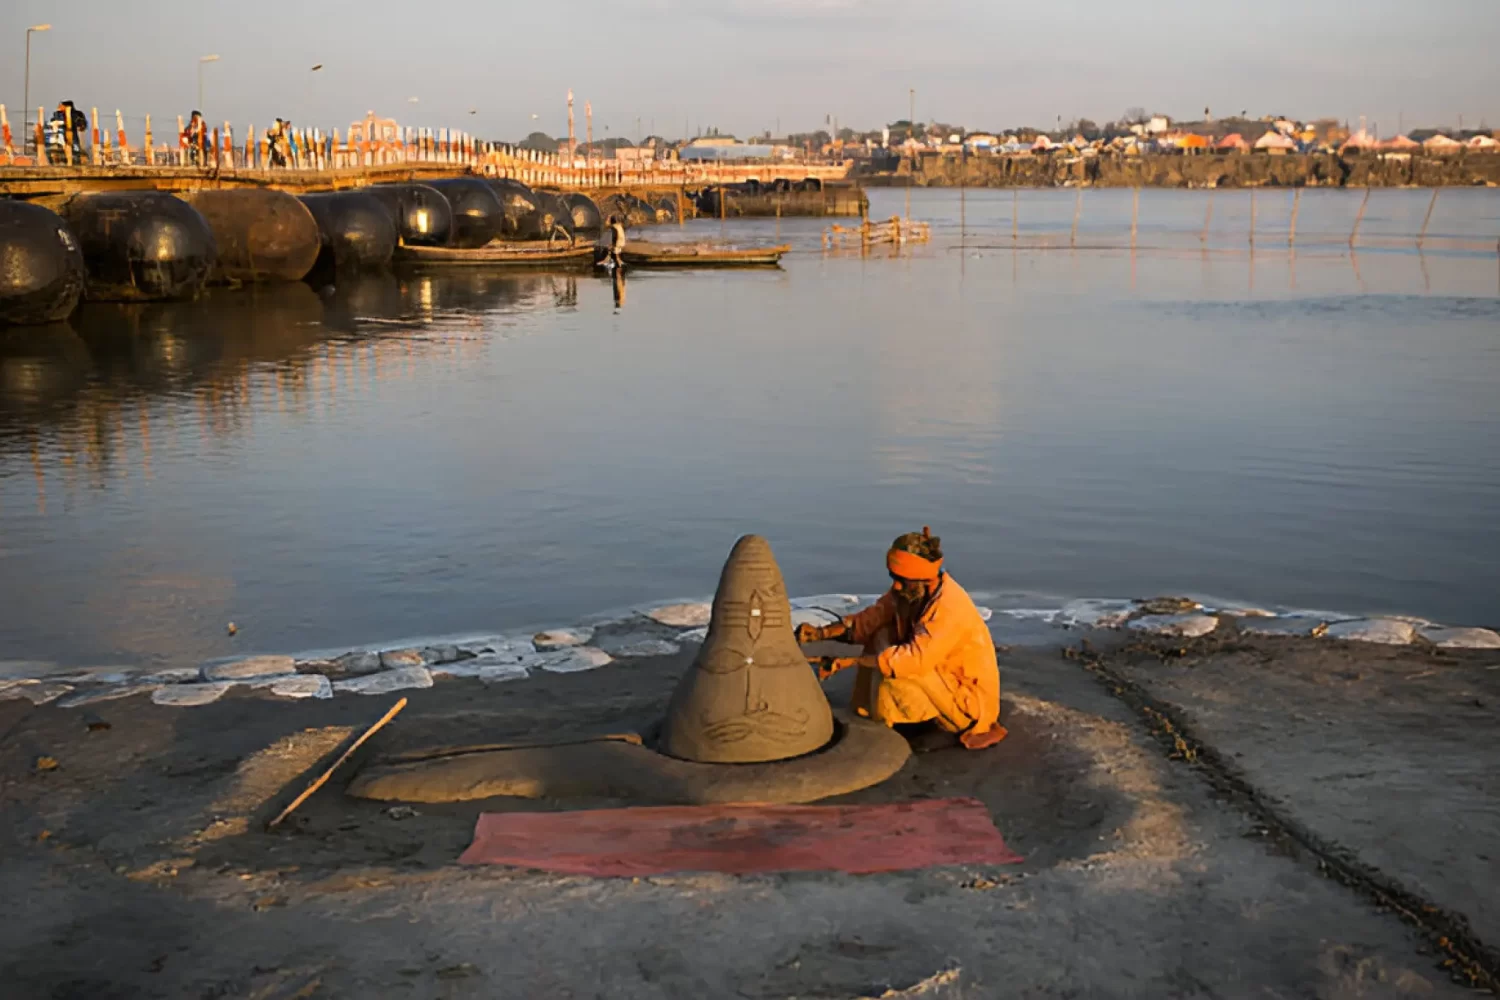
(26, 101)
(201, 61)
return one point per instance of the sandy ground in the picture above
(1157, 863)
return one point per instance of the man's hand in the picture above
(809, 632)
(830, 665)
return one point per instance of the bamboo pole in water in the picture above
(1015, 208)
(1291, 234)
(1354, 233)
(1077, 210)
(1135, 212)
(1422, 236)
(1252, 216)
(1208, 217)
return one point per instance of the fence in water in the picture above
(1433, 220)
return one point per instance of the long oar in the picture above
(323, 778)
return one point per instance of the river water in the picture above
(428, 454)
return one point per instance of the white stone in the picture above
(1295, 625)
(1094, 612)
(499, 673)
(681, 615)
(395, 659)
(35, 691)
(561, 638)
(1386, 631)
(174, 675)
(1188, 626)
(446, 653)
(188, 695)
(1461, 638)
(985, 614)
(356, 663)
(574, 659)
(646, 647)
(386, 681)
(302, 686)
(96, 675)
(255, 666)
(91, 696)
(698, 634)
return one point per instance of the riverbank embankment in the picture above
(1208, 170)
(1226, 815)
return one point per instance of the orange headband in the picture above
(909, 566)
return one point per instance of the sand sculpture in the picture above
(747, 723)
(750, 696)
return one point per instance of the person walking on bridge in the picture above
(195, 138)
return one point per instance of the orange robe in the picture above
(940, 667)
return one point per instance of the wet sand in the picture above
(1329, 814)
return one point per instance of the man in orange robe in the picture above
(928, 655)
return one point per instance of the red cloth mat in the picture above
(742, 839)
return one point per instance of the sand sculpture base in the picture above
(862, 753)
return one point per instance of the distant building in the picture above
(981, 140)
(1158, 124)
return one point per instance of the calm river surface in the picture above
(419, 455)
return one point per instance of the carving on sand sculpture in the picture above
(750, 696)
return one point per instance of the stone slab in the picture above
(1188, 626)
(254, 666)
(1461, 638)
(692, 615)
(561, 638)
(190, 695)
(1385, 631)
(386, 681)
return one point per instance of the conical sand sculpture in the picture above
(747, 723)
(749, 696)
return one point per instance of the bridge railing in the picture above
(221, 149)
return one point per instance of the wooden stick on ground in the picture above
(323, 778)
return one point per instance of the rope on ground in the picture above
(1469, 960)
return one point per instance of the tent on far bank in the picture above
(1043, 144)
(1275, 143)
(1358, 142)
(1233, 143)
(1401, 144)
(1484, 144)
(1441, 145)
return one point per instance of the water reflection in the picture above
(125, 370)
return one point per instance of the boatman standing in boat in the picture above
(616, 240)
(928, 655)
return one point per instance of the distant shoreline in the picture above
(1189, 170)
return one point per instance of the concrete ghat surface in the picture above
(660, 630)
(147, 872)
(1388, 751)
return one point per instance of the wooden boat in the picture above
(535, 254)
(699, 255)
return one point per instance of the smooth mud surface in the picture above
(142, 870)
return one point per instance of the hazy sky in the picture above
(747, 65)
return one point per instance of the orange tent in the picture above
(1193, 140)
(1233, 143)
